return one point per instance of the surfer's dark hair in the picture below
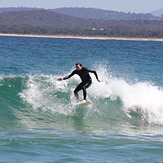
(78, 63)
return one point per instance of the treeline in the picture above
(93, 13)
(49, 23)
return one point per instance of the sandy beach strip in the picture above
(84, 37)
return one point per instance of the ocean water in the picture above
(39, 123)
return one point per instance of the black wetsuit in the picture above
(86, 80)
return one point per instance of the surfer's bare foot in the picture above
(83, 101)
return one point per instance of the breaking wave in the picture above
(114, 100)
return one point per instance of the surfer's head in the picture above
(78, 66)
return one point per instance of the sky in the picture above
(137, 6)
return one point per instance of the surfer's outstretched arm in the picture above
(95, 73)
(67, 77)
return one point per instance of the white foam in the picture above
(142, 95)
(41, 92)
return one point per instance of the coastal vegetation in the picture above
(93, 13)
(47, 22)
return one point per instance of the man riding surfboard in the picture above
(85, 78)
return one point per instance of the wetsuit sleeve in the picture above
(69, 76)
(95, 73)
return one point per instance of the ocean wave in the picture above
(113, 99)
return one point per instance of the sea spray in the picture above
(112, 98)
(143, 97)
(46, 93)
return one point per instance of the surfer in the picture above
(85, 78)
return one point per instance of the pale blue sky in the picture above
(138, 6)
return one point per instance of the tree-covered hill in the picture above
(50, 23)
(92, 13)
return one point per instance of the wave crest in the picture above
(112, 99)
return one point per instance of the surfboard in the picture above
(83, 103)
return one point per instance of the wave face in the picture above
(43, 101)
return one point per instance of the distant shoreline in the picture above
(84, 37)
